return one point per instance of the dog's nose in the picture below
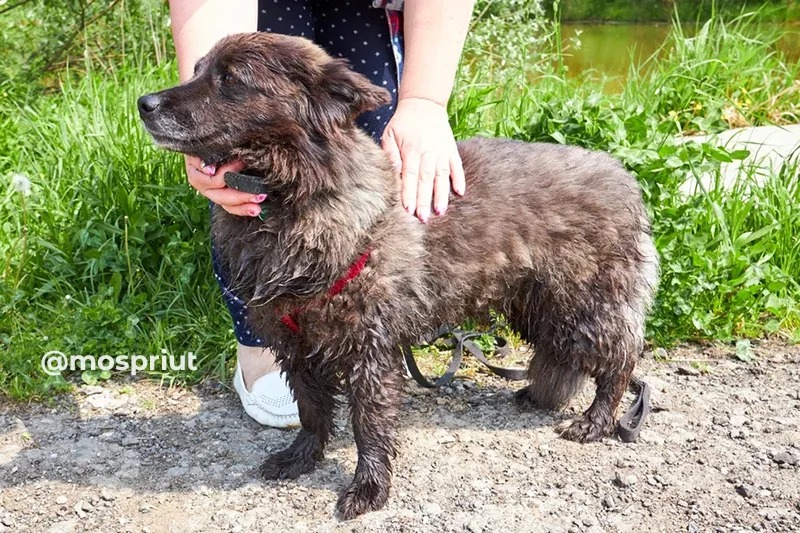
(148, 103)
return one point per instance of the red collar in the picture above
(337, 287)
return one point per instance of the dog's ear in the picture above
(351, 89)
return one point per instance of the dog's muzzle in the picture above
(147, 104)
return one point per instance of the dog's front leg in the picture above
(374, 385)
(314, 392)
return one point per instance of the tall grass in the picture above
(658, 10)
(109, 253)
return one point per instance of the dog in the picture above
(339, 275)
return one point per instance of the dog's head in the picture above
(255, 89)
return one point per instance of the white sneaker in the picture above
(270, 402)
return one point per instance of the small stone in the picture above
(625, 480)
(738, 421)
(67, 526)
(61, 500)
(432, 509)
(651, 480)
(687, 371)
(745, 490)
(608, 502)
(107, 495)
(660, 354)
(7, 521)
(786, 458)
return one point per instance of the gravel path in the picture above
(720, 453)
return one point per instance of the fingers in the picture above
(410, 177)
(244, 210)
(213, 187)
(441, 186)
(457, 174)
(427, 175)
(233, 166)
(389, 144)
(227, 197)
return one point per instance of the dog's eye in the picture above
(228, 79)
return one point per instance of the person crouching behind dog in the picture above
(422, 40)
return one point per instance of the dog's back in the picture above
(558, 214)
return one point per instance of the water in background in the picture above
(608, 48)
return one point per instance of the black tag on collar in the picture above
(245, 183)
(252, 185)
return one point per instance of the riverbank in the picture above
(611, 49)
(661, 11)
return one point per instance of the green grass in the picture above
(110, 255)
(658, 10)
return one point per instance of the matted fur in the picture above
(555, 237)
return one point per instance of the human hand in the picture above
(420, 143)
(210, 182)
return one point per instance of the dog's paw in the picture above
(586, 429)
(287, 464)
(360, 498)
(523, 399)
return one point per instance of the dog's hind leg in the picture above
(608, 341)
(374, 385)
(314, 391)
(554, 379)
(552, 382)
(598, 421)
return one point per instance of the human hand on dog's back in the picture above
(420, 142)
(418, 138)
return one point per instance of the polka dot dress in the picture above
(350, 29)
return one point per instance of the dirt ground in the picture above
(721, 452)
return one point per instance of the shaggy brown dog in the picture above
(555, 237)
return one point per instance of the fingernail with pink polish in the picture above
(259, 198)
(254, 212)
